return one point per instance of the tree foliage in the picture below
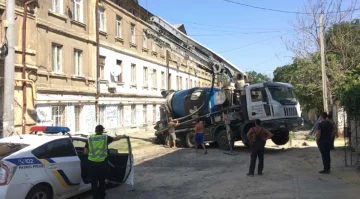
(342, 60)
(257, 77)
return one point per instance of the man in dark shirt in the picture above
(324, 135)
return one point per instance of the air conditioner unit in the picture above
(112, 86)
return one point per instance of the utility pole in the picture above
(9, 83)
(97, 62)
(323, 72)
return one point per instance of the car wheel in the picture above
(39, 192)
(190, 139)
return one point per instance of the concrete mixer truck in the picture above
(273, 103)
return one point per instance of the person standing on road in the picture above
(172, 135)
(257, 137)
(199, 135)
(324, 133)
(335, 133)
(97, 150)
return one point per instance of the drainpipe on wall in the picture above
(168, 68)
(97, 62)
(23, 75)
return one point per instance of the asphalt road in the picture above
(290, 172)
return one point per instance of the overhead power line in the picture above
(226, 51)
(284, 11)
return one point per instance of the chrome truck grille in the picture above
(290, 111)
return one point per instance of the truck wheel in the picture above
(39, 192)
(181, 141)
(223, 141)
(190, 139)
(281, 139)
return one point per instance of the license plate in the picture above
(295, 124)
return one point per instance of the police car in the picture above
(50, 166)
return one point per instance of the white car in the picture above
(38, 166)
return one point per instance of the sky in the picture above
(247, 37)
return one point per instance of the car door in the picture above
(61, 164)
(120, 162)
(258, 105)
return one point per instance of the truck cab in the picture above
(275, 104)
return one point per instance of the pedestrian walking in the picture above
(257, 137)
(335, 132)
(324, 135)
(97, 150)
(172, 135)
(199, 135)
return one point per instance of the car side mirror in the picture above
(113, 151)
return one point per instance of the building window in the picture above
(191, 83)
(162, 79)
(133, 74)
(146, 75)
(153, 46)
(101, 114)
(194, 83)
(180, 83)
(77, 117)
(133, 114)
(154, 113)
(177, 83)
(187, 83)
(118, 27)
(101, 12)
(56, 58)
(78, 10)
(119, 65)
(58, 115)
(102, 67)
(121, 115)
(145, 113)
(170, 81)
(78, 62)
(145, 41)
(58, 6)
(133, 38)
(154, 79)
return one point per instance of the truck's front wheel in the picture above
(190, 139)
(223, 141)
(281, 139)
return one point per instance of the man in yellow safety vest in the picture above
(97, 148)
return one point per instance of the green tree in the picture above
(257, 77)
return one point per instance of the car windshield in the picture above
(282, 94)
(7, 149)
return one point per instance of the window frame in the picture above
(78, 117)
(133, 114)
(78, 62)
(133, 74)
(56, 57)
(102, 19)
(145, 76)
(154, 78)
(119, 64)
(60, 6)
(145, 41)
(81, 10)
(132, 33)
(118, 26)
(145, 120)
(62, 115)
